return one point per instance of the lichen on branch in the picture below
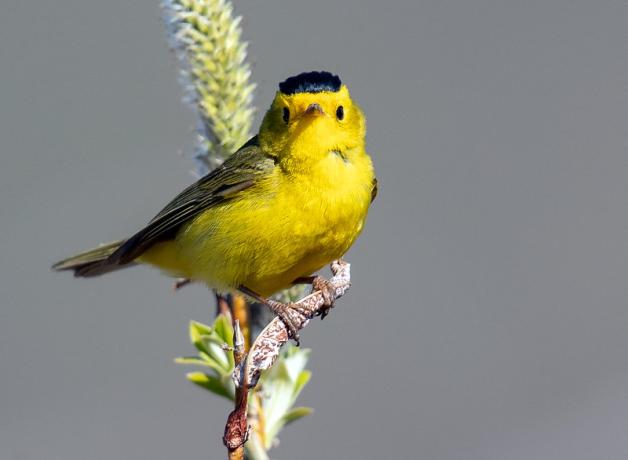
(265, 348)
(263, 354)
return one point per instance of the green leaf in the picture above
(202, 329)
(211, 383)
(281, 384)
(295, 414)
(213, 347)
(197, 332)
(215, 365)
(224, 330)
(203, 359)
(193, 360)
(301, 381)
(295, 361)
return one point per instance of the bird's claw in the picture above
(328, 292)
(289, 314)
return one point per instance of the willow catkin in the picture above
(207, 39)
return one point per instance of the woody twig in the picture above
(265, 350)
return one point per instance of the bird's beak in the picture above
(314, 109)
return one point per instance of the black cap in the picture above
(310, 82)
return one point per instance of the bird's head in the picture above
(311, 116)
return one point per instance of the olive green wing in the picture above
(374, 189)
(239, 172)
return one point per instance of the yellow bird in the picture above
(291, 200)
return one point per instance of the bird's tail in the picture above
(94, 262)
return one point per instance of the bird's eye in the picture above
(340, 112)
(286, 115)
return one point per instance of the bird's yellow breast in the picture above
(286, 226)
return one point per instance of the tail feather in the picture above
(94, 262)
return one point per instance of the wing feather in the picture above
(239, 172)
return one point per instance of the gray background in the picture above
(488, 317)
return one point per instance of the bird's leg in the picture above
(181, 282)
(304, 279)
(291, 314)
(222, 305)
(326, 288)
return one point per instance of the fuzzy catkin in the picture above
(207, 39)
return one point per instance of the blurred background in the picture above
(488, 314)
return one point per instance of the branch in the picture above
(236, 428)
(265, 350)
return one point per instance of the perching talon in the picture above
(327, 290)
(288, 312)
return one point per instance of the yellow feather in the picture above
(305, 214)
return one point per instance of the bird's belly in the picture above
(264, 250)
(264, 241)
(261, 244)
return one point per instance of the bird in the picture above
(292, 199)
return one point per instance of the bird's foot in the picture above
(327, 290)
(291, 314)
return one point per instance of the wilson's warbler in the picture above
(291, 200)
